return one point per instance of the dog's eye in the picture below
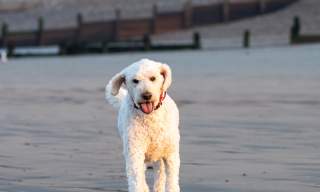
(152, 78)
(135, 81)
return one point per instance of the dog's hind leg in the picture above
(159, 176)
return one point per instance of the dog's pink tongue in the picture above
(147, 107)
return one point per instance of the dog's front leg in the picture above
(172, 171)
(136, 173)
(159, 176)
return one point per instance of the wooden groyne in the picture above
(297, 38)
(103, 34)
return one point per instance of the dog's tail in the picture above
(115, 101)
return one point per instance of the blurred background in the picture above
(80, 26)
(246, 80)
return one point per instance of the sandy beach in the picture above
(249, 121)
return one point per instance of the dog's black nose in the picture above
(146, 96)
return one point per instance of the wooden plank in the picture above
(274, 5)
(203, 15)
(302, 39)
(132, 28)
(27, 38)
(97, 31)
(240, 10)
(166, 22)
(58, 36)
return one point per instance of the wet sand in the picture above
(249, 121)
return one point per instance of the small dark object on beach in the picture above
(246, 38)
(244, 174)
(227, 180)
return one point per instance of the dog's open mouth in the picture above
(147, 107)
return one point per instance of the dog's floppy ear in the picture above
(166, 73)
(116, 83)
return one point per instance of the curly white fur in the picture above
(147, 138)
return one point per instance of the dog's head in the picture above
(146, 82)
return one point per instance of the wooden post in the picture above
(262, 6)
(40, 30)
(187, 14)
(246, 39)
(116, 31)
(77, 37)
(79, 19)
(10, 49)
(196, 40)
(146, 42)
(4, 34)
(154, 19)
(226, 10)
(295, 29)
(104, 47)
(62, 49)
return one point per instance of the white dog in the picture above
(148, 123)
